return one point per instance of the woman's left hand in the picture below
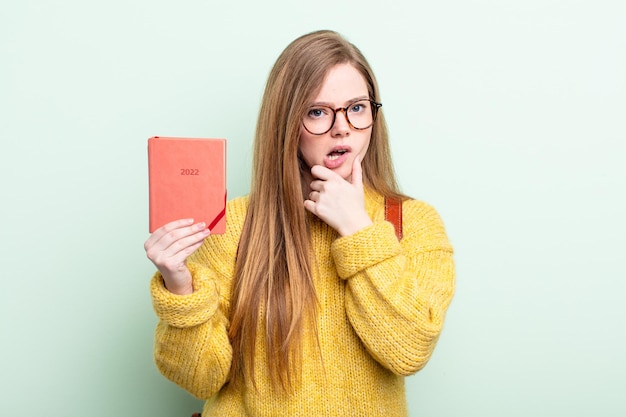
(339, 202)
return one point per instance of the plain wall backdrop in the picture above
(507, 116)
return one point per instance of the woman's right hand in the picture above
(169, 247)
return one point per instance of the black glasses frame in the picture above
(375, 107)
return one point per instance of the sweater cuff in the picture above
(365, 248)
(186, 310)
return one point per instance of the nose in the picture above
(341, 127)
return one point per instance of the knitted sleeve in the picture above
(398, 292)
(192, 348)
(191, 343)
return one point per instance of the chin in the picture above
(345, 175)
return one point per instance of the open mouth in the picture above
(336, 154)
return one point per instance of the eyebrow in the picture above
(350, 101)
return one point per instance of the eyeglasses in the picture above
(360, 115)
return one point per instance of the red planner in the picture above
(187, 179)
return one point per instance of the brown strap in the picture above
(393, 214)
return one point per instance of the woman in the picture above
(309, 304)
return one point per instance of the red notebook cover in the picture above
(187, 179)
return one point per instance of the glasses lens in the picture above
(319, 119)
(360, 114)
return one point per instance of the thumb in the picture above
(357, 172)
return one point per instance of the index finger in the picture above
(165, 229)
(321, 172)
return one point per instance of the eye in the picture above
(317, 112)
(358, 107)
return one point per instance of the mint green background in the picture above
(507, 116)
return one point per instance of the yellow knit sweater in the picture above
(381, 309)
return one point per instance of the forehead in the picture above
(342, 83)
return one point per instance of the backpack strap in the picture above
(393, 214)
